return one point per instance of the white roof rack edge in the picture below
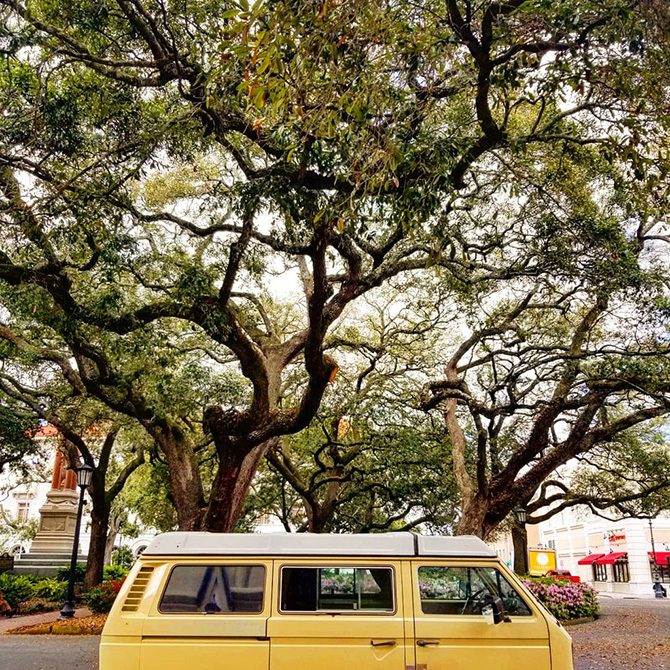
(309, 544)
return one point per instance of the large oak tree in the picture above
(161, 162)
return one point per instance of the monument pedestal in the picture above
(58, 517)
(52, 547)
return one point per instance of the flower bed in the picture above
(27, 594)
(90, 625)
(101, 598)
(564, 599)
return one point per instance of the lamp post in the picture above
(84, 476)
(655, 575)
(521, 566)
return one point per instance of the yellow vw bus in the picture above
(397, 601)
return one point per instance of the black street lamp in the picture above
(84, 476)
(656, 576)
(521, 566)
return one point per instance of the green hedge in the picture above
(15, 588)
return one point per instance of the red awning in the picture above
(589, 560)
(661, 557)
(611, 559)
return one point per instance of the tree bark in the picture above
(473, 517)
(112, 532)
(237, 467)
(185, 482)
(96, 550)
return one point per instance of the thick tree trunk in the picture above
(473, 516)
(185, 482)
(237, 467)
(96, 550)
(520, 543)
(112, 532)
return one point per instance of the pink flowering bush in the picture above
(565, 599)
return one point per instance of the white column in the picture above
(638, 558)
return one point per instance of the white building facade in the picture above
(612, 556)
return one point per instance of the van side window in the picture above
(461, 590)
(325, 589)
(214, 589)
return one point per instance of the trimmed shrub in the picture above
(63, 574)
(565, 599)
(124, 557)
(51, 589)
(15, 588)
(114, 572)
(101, 598)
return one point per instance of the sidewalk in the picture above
(629, 596)
(8, 623)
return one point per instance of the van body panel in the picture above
(206, 640)
(561, 648)
(464, 641)
(120, 652)
(332, 641)
(408, 611)
(203, 653)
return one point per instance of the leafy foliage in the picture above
(63, 574)
(16, 445)
(159, 165)
(15, 588)
(50, 588)
(100, 598)
(116, 572)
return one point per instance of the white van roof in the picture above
(309, 544)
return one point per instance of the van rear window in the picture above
(214, 589)
(341, 589)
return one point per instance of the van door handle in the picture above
(383, 643)
(428, 643)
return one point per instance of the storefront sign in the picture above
(541, 561)
(615, 536)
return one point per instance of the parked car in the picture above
(384, 601)
(564, 574)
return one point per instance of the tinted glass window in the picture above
(325, 589)
(466, 591)
(214, 589)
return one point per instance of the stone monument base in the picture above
(52, 547)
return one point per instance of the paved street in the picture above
(48, 652)
(631, 635)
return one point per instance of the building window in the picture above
(214, 589)
(551, 544)
(620, 570)
(663, 572)
(22, 511)
(337, 589)
(599, 573)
